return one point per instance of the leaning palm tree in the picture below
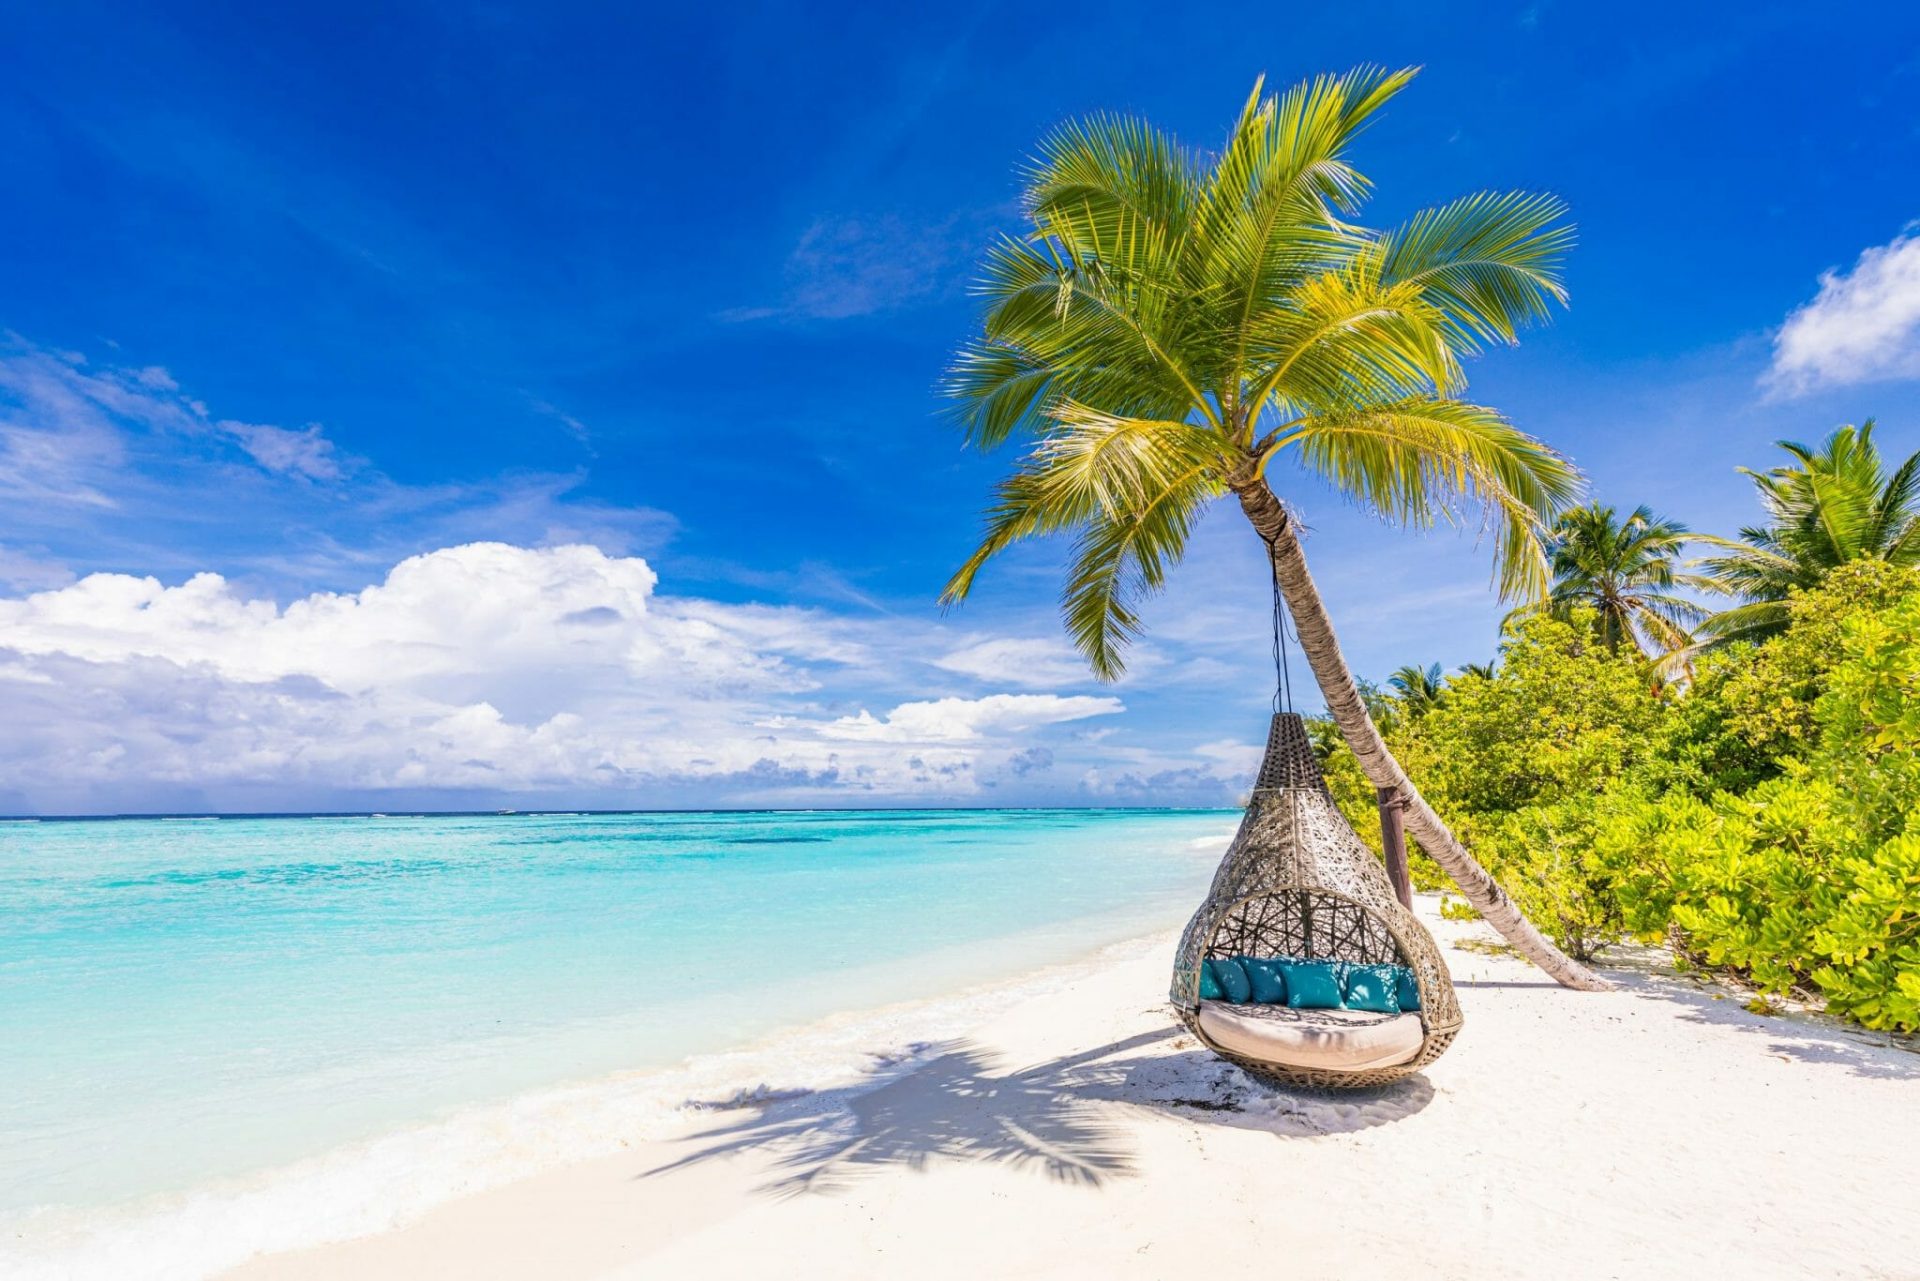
(1174, 323)
(1830, 506)
(1419, 689)
(1628, 572)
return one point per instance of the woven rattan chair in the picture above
(1299, 882)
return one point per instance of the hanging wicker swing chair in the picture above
(1299, 884)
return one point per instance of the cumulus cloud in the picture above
(482, 668)
(1863, 325)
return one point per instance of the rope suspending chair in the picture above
(1298, 884)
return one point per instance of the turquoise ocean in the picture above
(223, 1035)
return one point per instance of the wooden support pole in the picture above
(1393, 839)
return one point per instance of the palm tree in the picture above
(1485, 671)
(1830, 506)
(1420, 689)
(1172, 323)
(1626, 572)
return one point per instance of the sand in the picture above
(1660, 1130)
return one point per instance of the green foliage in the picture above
(1810, 880)
(1785, 886)
(1562, 718)
(1751, 707)
(1830, 507)
(1759, 821)
(1626, 571)
(1518, 759)
(1562, 861)
(1352, 791)
(1769, 700)
(1418, 689)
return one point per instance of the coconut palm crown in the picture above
(1629, 573)
(1829, 506)
(1173, 322)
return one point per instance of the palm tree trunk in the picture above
(1322, 648)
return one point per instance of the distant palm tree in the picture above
(1485, 671)
(1419, 688)
(1626, 572)
(1173, 322)
(1832, 505)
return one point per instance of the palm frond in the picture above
(1346, 339)
(1831, 505)
(1132, 487)
(1121, 560)
(1418, 460)
(1490, 263)
(1271, 208)
(1753, 621)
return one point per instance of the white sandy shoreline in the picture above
(1066, 1128)
(393, 1180)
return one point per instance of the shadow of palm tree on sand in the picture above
(954, 1101)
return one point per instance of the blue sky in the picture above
(291, 297)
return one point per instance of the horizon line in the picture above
(241, 815)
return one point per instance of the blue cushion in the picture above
(1231, 979)
(1209, 986)
(1312, 985)
(1263, 973)
(1408, 990)
(1373, 987)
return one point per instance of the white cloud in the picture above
(1863, 326)
(25, 572)
(305, 452)
(863, 265)
(121, 457)
(480, 667)
(1237, 760)
(57, 446)
(1017, 660)
(852, 267)
(66, 419)
(959, 719)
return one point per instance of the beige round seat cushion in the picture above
(1328, 1040)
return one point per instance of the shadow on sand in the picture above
(1057, 1118)
(1791, 1034)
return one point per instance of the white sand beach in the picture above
(1659, 1130)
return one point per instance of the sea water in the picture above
(195, 1012)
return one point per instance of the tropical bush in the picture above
(1759, 820)
(1811, 880)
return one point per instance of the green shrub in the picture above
(1811, 880)
(1555, 863)
(1759, 820)
(1563, 717)
(1763, 701)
